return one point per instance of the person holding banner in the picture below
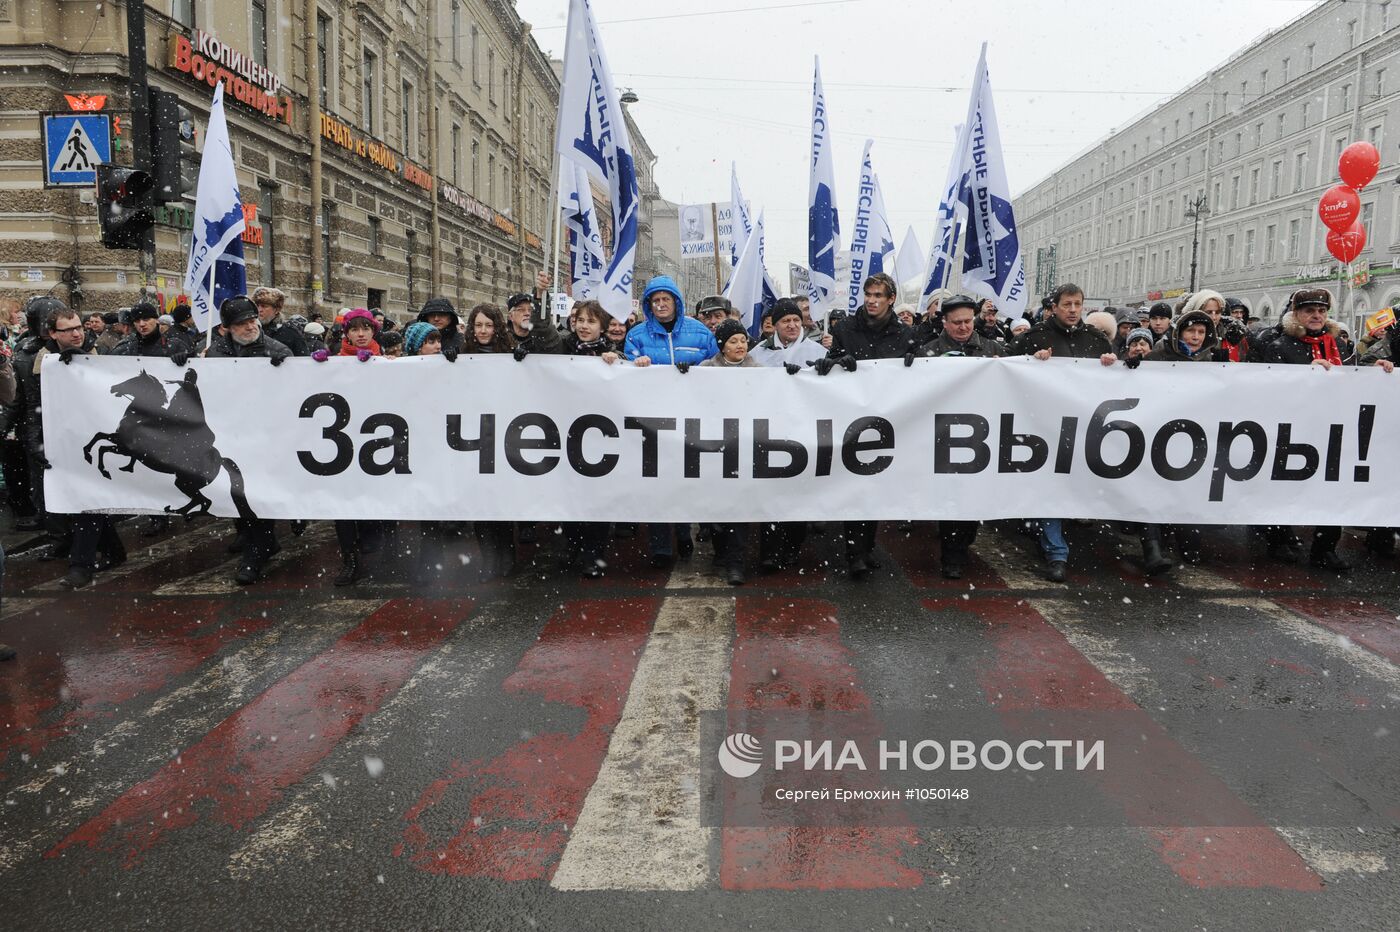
(873, 333)
(529, 336)
(270, 302)
(1064, 334)
(789, 344)
(441, 314)
(146, 338)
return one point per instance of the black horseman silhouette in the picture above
(169, 435)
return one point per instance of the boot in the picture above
(349, 570)
(736, 576)
(79, 577)
(1329, 560)
(1152, 560)
(1057, 571)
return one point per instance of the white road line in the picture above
(640, 825)
(438, 690)
(1332, 643)
(166, 550)
(219, 579)
(178, 719)
(1330, 862)
(1010, 564)
(18, 606)
(1105, 653)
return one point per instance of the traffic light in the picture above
(173, 168)
(124, 206)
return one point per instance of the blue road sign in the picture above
(74, 144)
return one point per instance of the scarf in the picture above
(593, 347)
(349, 349)
(1323, 346)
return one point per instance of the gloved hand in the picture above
(364, 355)
(277, 360)
(450, 353)
(321, 355)
(908, 360)
(792, 368)
(823, 365)
(682, 367)
(520, 352)
(180, 357)
(1132, 362)
(847, 362)
(66, 357)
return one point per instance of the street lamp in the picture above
(1196, 211)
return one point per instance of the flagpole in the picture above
(552, 222)
(209, 330)
(714, 232)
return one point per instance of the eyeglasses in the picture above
(68, 329)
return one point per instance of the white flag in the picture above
(861, 231)
(745, 290)
(587, 257)
(881, 237)
(992, 264)
(592, 132)
(742, 225)
(215, 269)
(823, 225)
(909, 262)
(940, 251)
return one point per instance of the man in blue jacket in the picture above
(668, 337)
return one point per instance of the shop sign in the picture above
(374, 151)
(182, 218)
(204, 58)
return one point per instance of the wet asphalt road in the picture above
(177, 752)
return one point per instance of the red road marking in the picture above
(1372, 626)
(918, 553)
(89, 655)
(239, 769)
(1037, 668)
(800, 640)
(523, 803)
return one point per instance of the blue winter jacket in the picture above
(687, 341)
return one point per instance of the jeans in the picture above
(660, 537)
(1052, 541)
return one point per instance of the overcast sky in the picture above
(733, 83)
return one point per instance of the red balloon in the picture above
(1339, 208)
(1359, 163)
(1347, 245)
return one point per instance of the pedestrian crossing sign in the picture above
(74, 145)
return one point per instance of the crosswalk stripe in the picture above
(18, 606)
(176, 719)
(160, 551)
(640, 825)
(218, 580)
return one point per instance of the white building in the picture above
(1255, 142)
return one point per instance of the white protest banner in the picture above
(572, 438)
(697, 223)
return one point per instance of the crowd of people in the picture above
(1203, 327)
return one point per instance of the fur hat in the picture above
(1198, 300)
(235, 310)
(1104, 322)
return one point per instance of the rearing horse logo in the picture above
(169, 437)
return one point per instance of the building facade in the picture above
(1238, 162)
(430, 126)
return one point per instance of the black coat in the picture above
(860, 337)
(1078, 342)
(157, 344)
(264, 347)
(288, 334)
(23, 414)
(1287, 347)
(543, 339)
(976, 345)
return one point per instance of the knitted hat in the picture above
(728, 329)
(167, 320)
(314, 329)
(1019, 324)
(1125, 315)
(143, 310)
(1141, 333)
(415, 334)
(783, 307)
(360, 313)
(1161, 309)
(182, 313)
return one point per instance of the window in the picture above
(258, 31)
(456, 153)
(476, 165)
(1346, 96)
(1282, 125)
(491, 179)
(476, 56)
(182, 11)
(1190, 120)
(1276, 178)
(1306, 108)
(326, 249)
(1176, 129)
(1308, 56)
(1373, 136)
(1295, 228)
(1338, 145)
(1180, 259)
(376, 236)
(505, 92)
(1264, 81)
(369, 80)
(1215, 196)
(1244, 91)
(1254, 186)
(1284, 66)
(1351, 34)
(1368, 212)
(1385, 15)
(1229, 251)
(457, 31)
(323, 55)
(1235, 192)
(408, 119)
(1210, 255)
(1380, 82)
(1270, 241)
(267, 211)
(1248, 249)
(491, 75)
(1300, 170)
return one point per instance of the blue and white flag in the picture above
(909, 262)
(823, 226)
(740, 217)
(215, 269)
(587, 257)
(747, 288)
(992, 264)
(941, 250)
(861, 233)
(881, 237)
(591, 132)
